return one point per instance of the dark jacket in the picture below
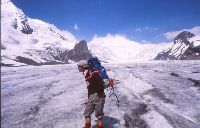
(95, 83)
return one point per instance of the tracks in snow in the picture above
(171, 118)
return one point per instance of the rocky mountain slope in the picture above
(186, 47)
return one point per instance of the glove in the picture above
(109, 83)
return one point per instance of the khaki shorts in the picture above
(95, 104)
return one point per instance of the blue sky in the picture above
(139, 20)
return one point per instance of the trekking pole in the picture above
(113, 92)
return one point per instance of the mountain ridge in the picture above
(186, 47)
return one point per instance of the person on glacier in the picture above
(96, 95)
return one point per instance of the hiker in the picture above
(96, 95)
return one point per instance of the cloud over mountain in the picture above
(173, 34)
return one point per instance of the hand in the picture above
(111, 82)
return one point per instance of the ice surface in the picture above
(152, 94)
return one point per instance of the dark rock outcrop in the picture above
(25, 60)
(79, 52)
(26, 29)
(3, 47)
(182, 49)
(29, 61)
(183, 37)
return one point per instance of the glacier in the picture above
(164, 94)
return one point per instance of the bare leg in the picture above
(100, 123)
(87, 122)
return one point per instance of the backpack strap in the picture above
(90, 74)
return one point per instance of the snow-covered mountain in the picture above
(117, 48)
(186, 47)
(26, 39)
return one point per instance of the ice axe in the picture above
(112, 82)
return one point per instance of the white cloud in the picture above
(171, 35)
(146, 42)
(110, 39)
(76, 27)
(138, 29)
(146, 28)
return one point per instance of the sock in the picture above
(100, 126)
(87, 125)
